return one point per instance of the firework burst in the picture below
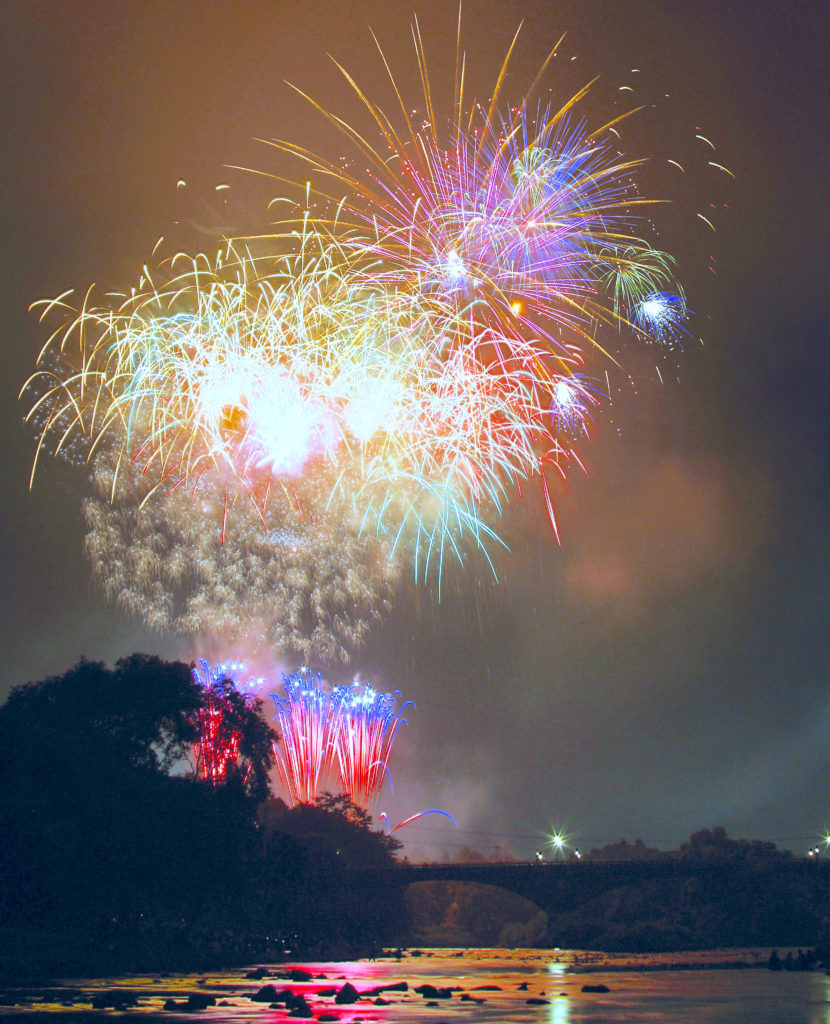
(273, 432)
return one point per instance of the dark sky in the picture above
(666, 667)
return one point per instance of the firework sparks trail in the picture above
(383, 816)
(312, 588)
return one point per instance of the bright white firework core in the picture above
(654, 309)
(564, 395)
(454, 266)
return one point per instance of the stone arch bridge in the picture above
(559, 887)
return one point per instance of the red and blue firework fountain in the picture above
(340, 735)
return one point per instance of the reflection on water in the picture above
(488, 986)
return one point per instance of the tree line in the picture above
(116, 856)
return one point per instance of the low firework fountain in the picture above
(367, 725)
(339, 736)
(306, 724)
(218, 748)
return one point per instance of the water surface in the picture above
(666, 989)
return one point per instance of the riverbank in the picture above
(45, 958)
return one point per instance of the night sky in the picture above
(664, 669)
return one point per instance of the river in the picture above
(487, 986)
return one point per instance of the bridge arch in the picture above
(457, 912)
